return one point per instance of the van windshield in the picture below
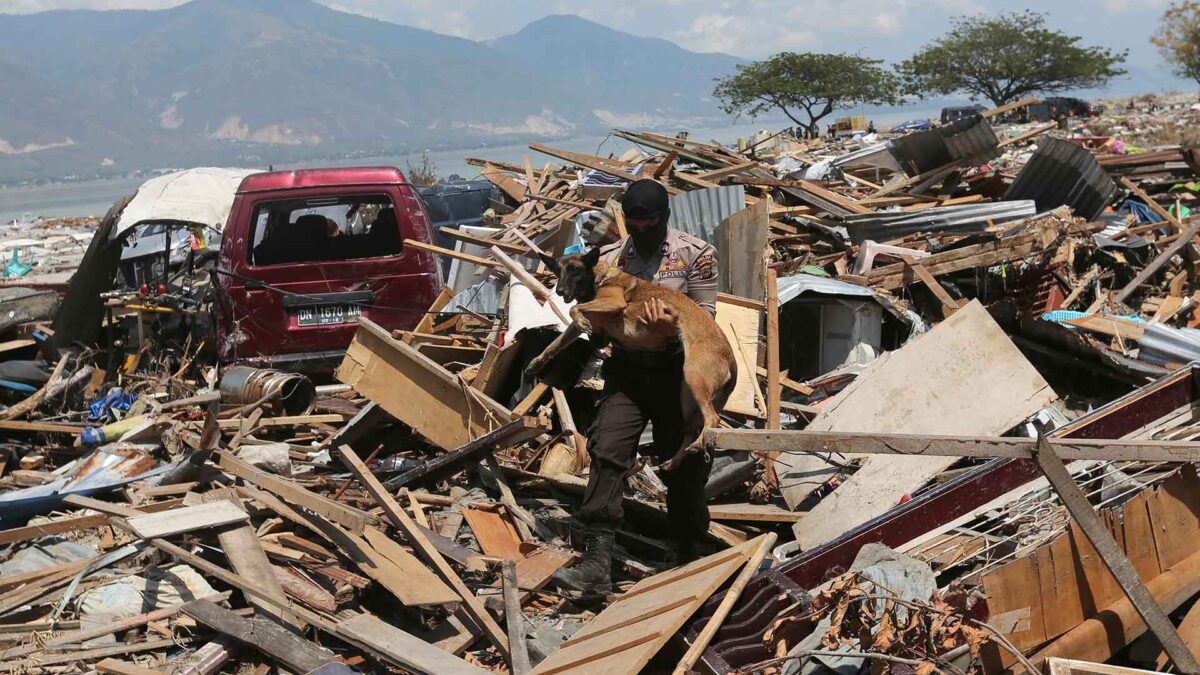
(324, 229)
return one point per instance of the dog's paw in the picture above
(536, 366)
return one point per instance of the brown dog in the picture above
(611, 303)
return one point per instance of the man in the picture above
(641, 387)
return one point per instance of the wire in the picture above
(318, 298)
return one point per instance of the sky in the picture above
(886, 29)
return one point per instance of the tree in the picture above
(425, 173)
(1178, 38)
(818, 84)
(1003, 58)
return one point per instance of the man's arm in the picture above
(702, 280)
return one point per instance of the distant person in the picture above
(871, 127)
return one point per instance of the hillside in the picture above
(273, 80)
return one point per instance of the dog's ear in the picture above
(592, 257)
(550, 261)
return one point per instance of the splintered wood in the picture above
(624, 637)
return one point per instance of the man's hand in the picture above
(599, 228)
(658, 317)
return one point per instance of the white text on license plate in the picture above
(325, 315)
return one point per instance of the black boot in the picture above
(686, 551)
(593, 575)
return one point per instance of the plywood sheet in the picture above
(631, 630)
(495, 534)
(739, 323)
(964, 377)
(186, 519)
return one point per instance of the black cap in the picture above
(644, 198)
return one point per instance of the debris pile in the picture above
(955, 443)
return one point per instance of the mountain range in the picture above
(223, 81)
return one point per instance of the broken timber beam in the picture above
(416, 390)
(1155, 265)
(283, 646)
(424, 548)
(517, 431)
(871, 443)
(1122, 570)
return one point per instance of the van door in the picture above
(305, 264)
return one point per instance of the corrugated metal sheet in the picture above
(970, 139)
(879, 155)
(1063, 174)
(1167, 345)
(886, 225)
(698, 212)
(790, 288)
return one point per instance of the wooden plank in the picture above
(413, 581)
(508, 185)
(949, 304)
(1110, 325)
(496, 536)
(1157, 263)
(739, 325)
(40, 427)
(451, 253)
(424, 548)
(631, 630)
(741, 241)
(297, 586)
(283, 646)
(43, 660)
(58, 526)
(892, 277)
(1057, 666)
(964, 376)
(187, 519)
(1085, 516)
(417, 391)
(868, 443)
(515, 432)
(119, 626)
(283, 421)
(1000, 110)
(761, 550)
(611, 167)
(118, 667)
(762, 513)
(485, 242)
(248, 559)
(294, 494)
(514, 619)
(403, 649)
(1152, 204)
(1189, 631)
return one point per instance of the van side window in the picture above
(324, 229)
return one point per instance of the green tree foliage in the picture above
(1003, 58)
(816, 84)
(1178, 38)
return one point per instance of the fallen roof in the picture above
(202, 196)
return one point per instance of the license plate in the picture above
(327, 315)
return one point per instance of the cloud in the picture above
(33, 6)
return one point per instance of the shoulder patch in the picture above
(705, 266)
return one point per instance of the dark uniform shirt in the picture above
(683, 263)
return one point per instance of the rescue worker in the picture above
(642, 387)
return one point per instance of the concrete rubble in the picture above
(962, 437)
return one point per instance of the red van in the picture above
(305, 253)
